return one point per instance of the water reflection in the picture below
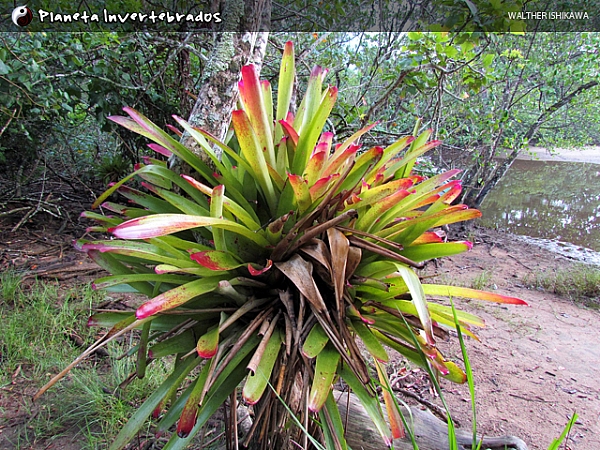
(550, 200)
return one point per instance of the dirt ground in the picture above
(534, 366)
(585, 154)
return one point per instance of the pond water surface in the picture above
(555, 201)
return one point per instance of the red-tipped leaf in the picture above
(456, 291)
(177, 297)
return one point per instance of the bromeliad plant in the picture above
(267, 269)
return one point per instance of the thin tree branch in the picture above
(391, 88)
(533, 129)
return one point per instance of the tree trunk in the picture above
(219, 85)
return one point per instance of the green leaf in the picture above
(393, 412)
(375, 194)
(174, 412)
(300, 187)
(456, 291)
(109, 319)
(452, 214)
(325, 370)
(255, 106)
(216, 211)
(285, 89)
(257, 382)
(369, 402)
(163, 224)
(439, 313)
(115, 280)
(363, 165)
(221, 389)
(468, 371)
(253, 153)
(155, 170)
(335, 436)
(189, 412)
(287, 200)
(463, 316)
(425, 252)
(142, 251)
(418, 298)
(311, 100)
(177, 296)
(315, 341)
(151, 202)
(135, 423)
(389, 153)
(216, 260)
(142, 351)
(370, 341)
(142, 125)
(181, 203)
(201, 140)
(555, 445)
(369, 220)
(208, 343)
(243, 211)
(308, 137)
(180, 343)
(113, 265)
(4, 69)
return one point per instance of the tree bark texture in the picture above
(231, 50)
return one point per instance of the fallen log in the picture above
(430, 432)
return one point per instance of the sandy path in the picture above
(586, 154)
(535, 365)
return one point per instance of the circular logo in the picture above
(22, 16)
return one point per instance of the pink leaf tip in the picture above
(257, 272)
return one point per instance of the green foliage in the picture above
(56, 90)
(283, 252)
(528, 75)
(426, 168)
(113, 168)
(39, 321)
(10, 286)
(28, 316)
(581, 283)
(435, 15)
(484, 95)
(483, 280)
(556, 443)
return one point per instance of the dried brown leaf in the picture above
(339, 245)
(299, 272)
(354, 257)
(318, 251)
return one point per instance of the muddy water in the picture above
(557, 202)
